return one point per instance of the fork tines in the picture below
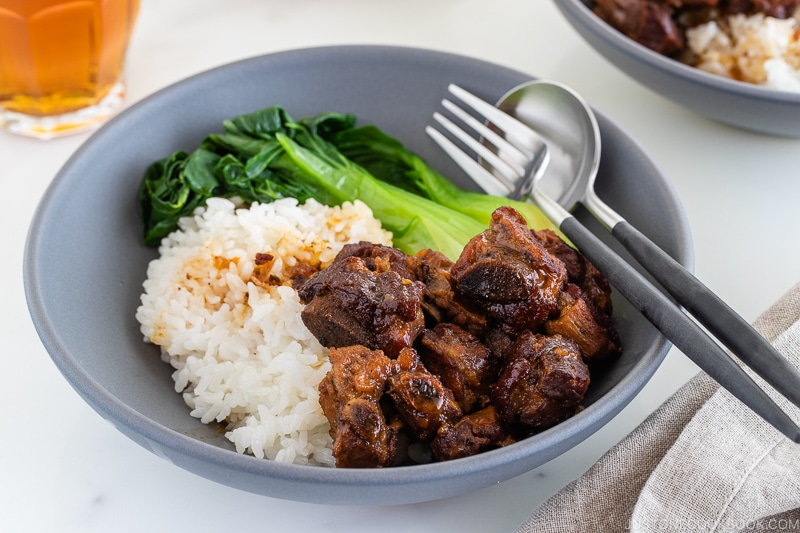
(505, 145)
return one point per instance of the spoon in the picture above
(571, 131)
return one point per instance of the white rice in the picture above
(241, 353)
(755, 49)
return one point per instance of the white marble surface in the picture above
(65, 469)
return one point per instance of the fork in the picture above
(518, 161)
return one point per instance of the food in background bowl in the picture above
(755, 49)
(745, 105)
(752, 41)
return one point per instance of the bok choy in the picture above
(267, 155)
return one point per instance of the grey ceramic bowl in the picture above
(736, 103)
(87, 224)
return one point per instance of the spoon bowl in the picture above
(569, 127)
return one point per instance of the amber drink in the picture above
(62, 62)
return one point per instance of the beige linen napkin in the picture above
(701, 462)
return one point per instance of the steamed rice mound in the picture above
(242, 355)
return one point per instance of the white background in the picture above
(62, 468)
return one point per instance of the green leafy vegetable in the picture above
(387, 159)
(267, 155)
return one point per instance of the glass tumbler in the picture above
(62, 63)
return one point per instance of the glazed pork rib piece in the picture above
(543, 382)
(364, 301)
(421, 400)
(465, 365)
(648, 22)
(440, 302)
(350, 396)
(508, 273)
(471, 434)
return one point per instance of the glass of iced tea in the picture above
(62, 63)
